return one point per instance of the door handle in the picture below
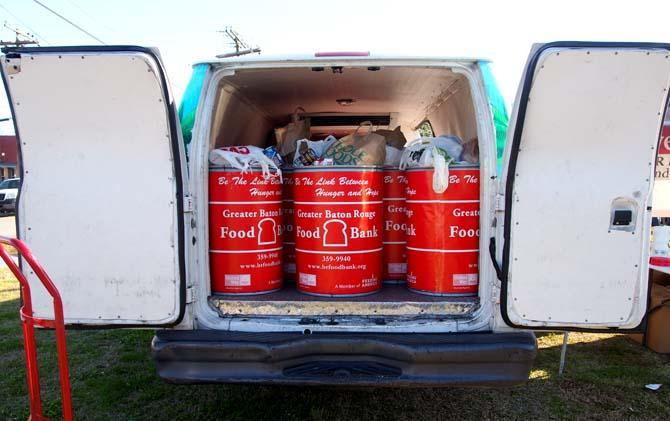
(492, 253)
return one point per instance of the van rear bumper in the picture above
(205, 356)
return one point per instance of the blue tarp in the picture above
(189, 103)
(498, 108)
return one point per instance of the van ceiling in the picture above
(412, 92)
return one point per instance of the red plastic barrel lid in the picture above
(245, 231)
(659, 261)
(443, 232)
(338, 229)
(395, 255)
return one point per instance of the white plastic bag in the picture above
(393, 156)
(309, 151)
(452, 145)
(243, 158)
(436, 152)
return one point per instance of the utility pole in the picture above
(236, 41)
(29, 39)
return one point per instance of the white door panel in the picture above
(585, 148)
(100, 199)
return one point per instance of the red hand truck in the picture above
(29, 322)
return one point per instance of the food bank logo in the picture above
(267, 232)
(335, 233)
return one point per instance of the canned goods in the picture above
(338, 216)
(245, 231)
(443, 232)
(289, 229)
(394, 253)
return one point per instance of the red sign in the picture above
(664, 148)
(245, 232)
(338, 217)
(443, 229)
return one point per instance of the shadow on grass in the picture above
(113, 377)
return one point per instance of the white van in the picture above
(565, 223)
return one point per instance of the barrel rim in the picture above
(237, 294)
(339, 168)
(355, 294)
(451, 167)
(223, 168)
(443, 294)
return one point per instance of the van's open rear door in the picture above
(101, 203)
(578, 182)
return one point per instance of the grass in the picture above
(113, 377)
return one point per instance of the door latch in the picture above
(623, 214)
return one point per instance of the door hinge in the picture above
(188, 203)
(189, 295)
(500, 203)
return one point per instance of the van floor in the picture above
(391, 300)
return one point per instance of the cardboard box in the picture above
(657, 336)
(658, 277)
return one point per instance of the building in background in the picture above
(8, 157)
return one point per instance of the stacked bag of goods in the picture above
(245, 235)
(439, 153)
(336, 227)
(442, 207)
(364, 147)
(338, 212)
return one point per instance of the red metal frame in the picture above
(29, 322)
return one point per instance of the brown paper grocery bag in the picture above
(393, 137)
(358, 148)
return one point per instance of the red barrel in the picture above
(338, 216)
(245, 231)
(443, 232)
(395, 255)
(289, 230)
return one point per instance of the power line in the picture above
(70, 22)
(32, 31)
(91, 17)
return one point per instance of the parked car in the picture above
(9, 189)
(565, 205)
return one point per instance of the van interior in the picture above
(251, 103)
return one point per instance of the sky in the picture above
(186, 31)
